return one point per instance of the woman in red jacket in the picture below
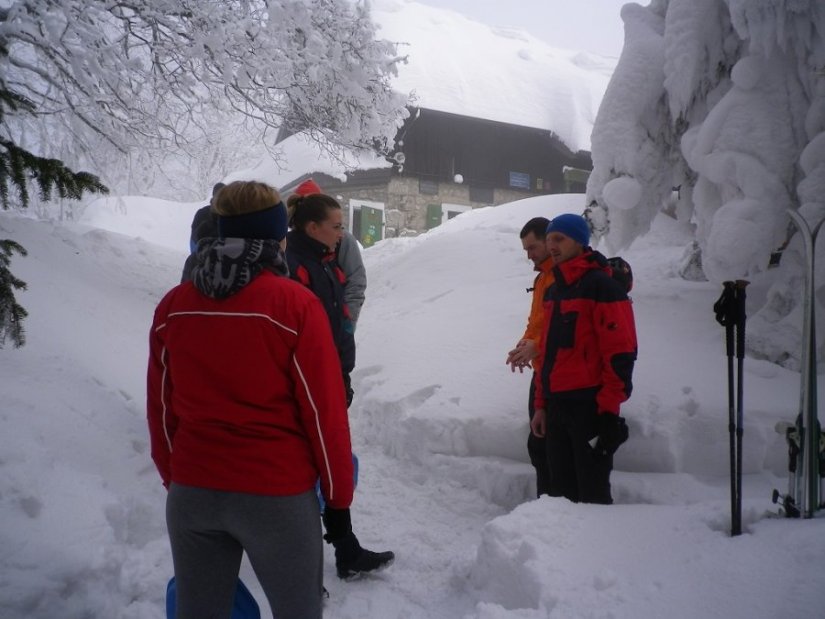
(246, 410)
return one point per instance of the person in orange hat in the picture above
(316, 225)
(347, 254)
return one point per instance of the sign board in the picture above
(520, 180)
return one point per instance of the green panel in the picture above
(372, 220)
(434, 216)
(575, 176)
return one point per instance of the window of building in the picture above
(484, 195)
(426, 187)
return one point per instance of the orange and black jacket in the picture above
(589, 340)
(535, 323)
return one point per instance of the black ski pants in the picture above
(578, 473)
(536, 448)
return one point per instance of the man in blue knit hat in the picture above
(585, 365)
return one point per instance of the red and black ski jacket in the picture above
(312, 264)
(589, 340)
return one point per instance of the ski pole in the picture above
(725, 316)
(741, 317)
(821, 468)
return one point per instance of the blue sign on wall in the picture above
(520, 180)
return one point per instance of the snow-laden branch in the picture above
(139, 69)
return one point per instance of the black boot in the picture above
(351, 561)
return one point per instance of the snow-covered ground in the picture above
(440, 425)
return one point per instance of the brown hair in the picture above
(314, 207)
(537, 225)
(243, 197)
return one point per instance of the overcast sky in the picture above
(582, 25)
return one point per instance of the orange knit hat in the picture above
(308, 187)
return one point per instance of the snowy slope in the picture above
(440, 424)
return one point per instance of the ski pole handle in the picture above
(725, 310)
(741, 316)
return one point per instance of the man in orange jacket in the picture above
(527, 349)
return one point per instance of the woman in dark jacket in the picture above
(317, 227)
(246, 411)
(316, 222)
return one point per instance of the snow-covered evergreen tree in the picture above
(724, 99)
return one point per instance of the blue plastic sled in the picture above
(321, 502)
(244, 606)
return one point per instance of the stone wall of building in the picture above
(403, 196)
(406, 207)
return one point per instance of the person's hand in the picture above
(521, 356)
(538, 422)
(612, 432)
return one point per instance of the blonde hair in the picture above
(242, 197)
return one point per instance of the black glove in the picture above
(612, 432)
(338, 524)
(348, 392)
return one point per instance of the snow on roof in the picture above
(300, 155)
(465, 67)
(461, 66)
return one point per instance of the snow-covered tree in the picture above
(724, 99)
(186, 171)
(146, 76)
(147, 71)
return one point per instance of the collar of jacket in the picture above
(546, 266)
(570, 271)
(300, 242)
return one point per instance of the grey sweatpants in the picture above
(210, 529)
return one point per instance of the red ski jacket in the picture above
(589, 338)
(245, 394)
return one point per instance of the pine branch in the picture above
(11, 312)
(18, 167)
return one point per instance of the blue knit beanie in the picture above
(574, 226)
(270, 223)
